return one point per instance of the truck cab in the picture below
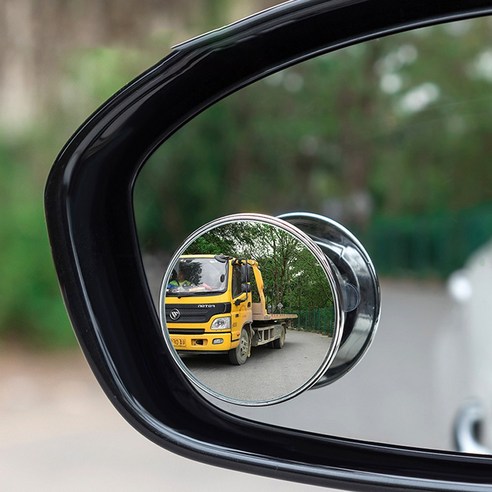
(208, 305)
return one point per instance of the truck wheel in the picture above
(240, 354)
(278, 343)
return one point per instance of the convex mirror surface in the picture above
(252, 291)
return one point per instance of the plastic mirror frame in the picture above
(89, 210)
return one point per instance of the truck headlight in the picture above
(221, 323)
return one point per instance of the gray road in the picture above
(58, 432)
(407, 388)
(282, 370)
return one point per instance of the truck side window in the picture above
(236, 281)
(254, 288)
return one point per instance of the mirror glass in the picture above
(391, 138)
(251, 291)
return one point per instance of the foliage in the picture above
(318, 320)
(397, 127)
(391, 138)
(74, 58)
(31, 307)
(431, 245)
(292, 276)
(30, 304)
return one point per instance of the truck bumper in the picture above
(206, 342)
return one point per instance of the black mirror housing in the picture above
(89, 210)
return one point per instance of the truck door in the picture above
(241, 299)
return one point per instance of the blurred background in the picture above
(391, 138)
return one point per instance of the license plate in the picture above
(178, 342)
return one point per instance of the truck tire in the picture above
(278, 343)
(240, 354)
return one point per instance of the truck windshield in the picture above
(197, 276)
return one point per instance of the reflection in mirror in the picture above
(240, 287)
(391, 138)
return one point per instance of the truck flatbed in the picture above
(260, 314)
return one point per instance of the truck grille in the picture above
(186, 331)
(195, 313)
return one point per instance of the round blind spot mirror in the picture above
(252, 309)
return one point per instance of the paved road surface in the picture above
(268, 373)
(58, 432)
(408, 386)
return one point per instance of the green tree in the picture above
(397, 127)
(291, 274)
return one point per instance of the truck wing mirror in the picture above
(138, 352)
(245, 273)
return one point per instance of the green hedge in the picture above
(434, 245)
(318, 320)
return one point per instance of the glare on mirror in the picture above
(239, 289)
(392, 139)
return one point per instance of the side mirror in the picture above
(245, 274)
(90, 215)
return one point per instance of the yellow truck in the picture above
(209, 308)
